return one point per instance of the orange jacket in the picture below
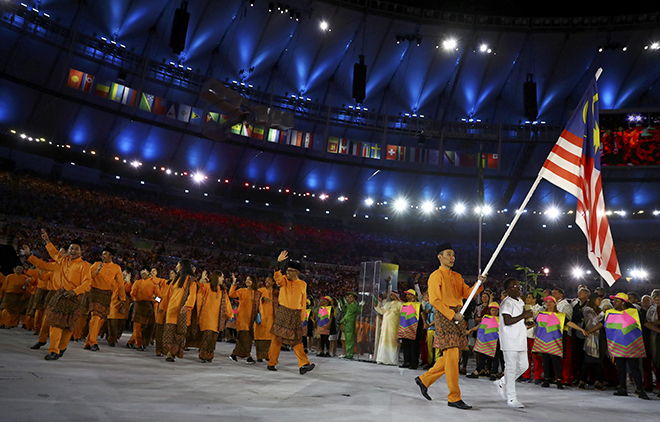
(447, 289)
(76, 274)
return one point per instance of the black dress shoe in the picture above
(169, 359)
(272, 368)
(423, 389)
(130, 346)
(52, 356)
(459, 405)
(112, 344)
(141, 349)
(405, 365)
(621, 392)
(37, 345)
(62, 352)
(472, 375)
(642, 395)
(87, 347)
(94, 348)
(306, 368)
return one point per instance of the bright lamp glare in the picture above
(553, 213)
(198, 177)
(577, 272)
(483, 48)
(459, 208)
(639, 273)
(324, 25)
(323, 197)
(449, 44)
(135, 164)
(427, 207)
(368, 202)
(400, 204)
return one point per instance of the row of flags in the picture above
(471, 159)
(128, 96)
(288, 137)
(359, 149)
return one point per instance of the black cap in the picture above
(296, 265)
(352, 294)
(77, 241)
(110, 250)
(442, 247)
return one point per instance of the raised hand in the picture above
(26, 249)
(44, 236)
(283, 256)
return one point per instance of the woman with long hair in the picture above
(593, 352)
(182, 296)
(262, 328)
(249, 299)
(213, 310)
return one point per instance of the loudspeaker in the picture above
(529, 98)
(179, 28)
(360, 81)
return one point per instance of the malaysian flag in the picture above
(574, 166)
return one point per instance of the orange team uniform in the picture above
(175, 296)
(34, 279)
(76, 277)
(293, 295)
(446, 293)
(245, 298)
(144, 290)
(211, 322)
(54, 283)
(262, 335)
(118, 311)
(45, 280)
(109, 279)
(11, 293)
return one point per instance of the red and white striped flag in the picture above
(574, 166)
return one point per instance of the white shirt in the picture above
(513, 337)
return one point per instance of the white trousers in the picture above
(515, 364)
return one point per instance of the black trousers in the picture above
(633, 367)
(325, 343)
(411, 352)
(551, 367)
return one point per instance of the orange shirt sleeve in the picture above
(86, 278)
(232, 291)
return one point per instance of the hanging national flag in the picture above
(171, 112)
(366, 149)
(401, 153)
(75, 78)
(247, 130)
(489, 161)
(295, 137)
(129, 96)
(375, 151)
(212, 116)
(433, 157)
(116, 92)
(237, 129)
(257, 132)
(196, 116)
(574, 166)
(307, 140)
(102, 89)
(333, 145)
(391, 152)
(467, 159)
(146, 102)
(450, 158)
(160, 106)
(80, 80)
(184, 112)
(343, 146)
(355, 148)
(273, 135)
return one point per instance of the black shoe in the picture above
(260, 360)
(94, 348)
(560, 386)
(169, 359)
(205, 360)
(141, 349)
(37, 345)
(423, 389)
(86, 347)
(473, 375)
(642, 395)
(62, 352)
(233, 357)
(52, 356)
(306, 368)
(492, 378)
(111, 344)
(459, 405)
(621, 392)
(272, 368)
(130, 346)
(405, 365)
(249, 360)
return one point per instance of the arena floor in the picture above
(127, 385)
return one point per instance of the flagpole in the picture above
(510, 229)
(504, 239)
